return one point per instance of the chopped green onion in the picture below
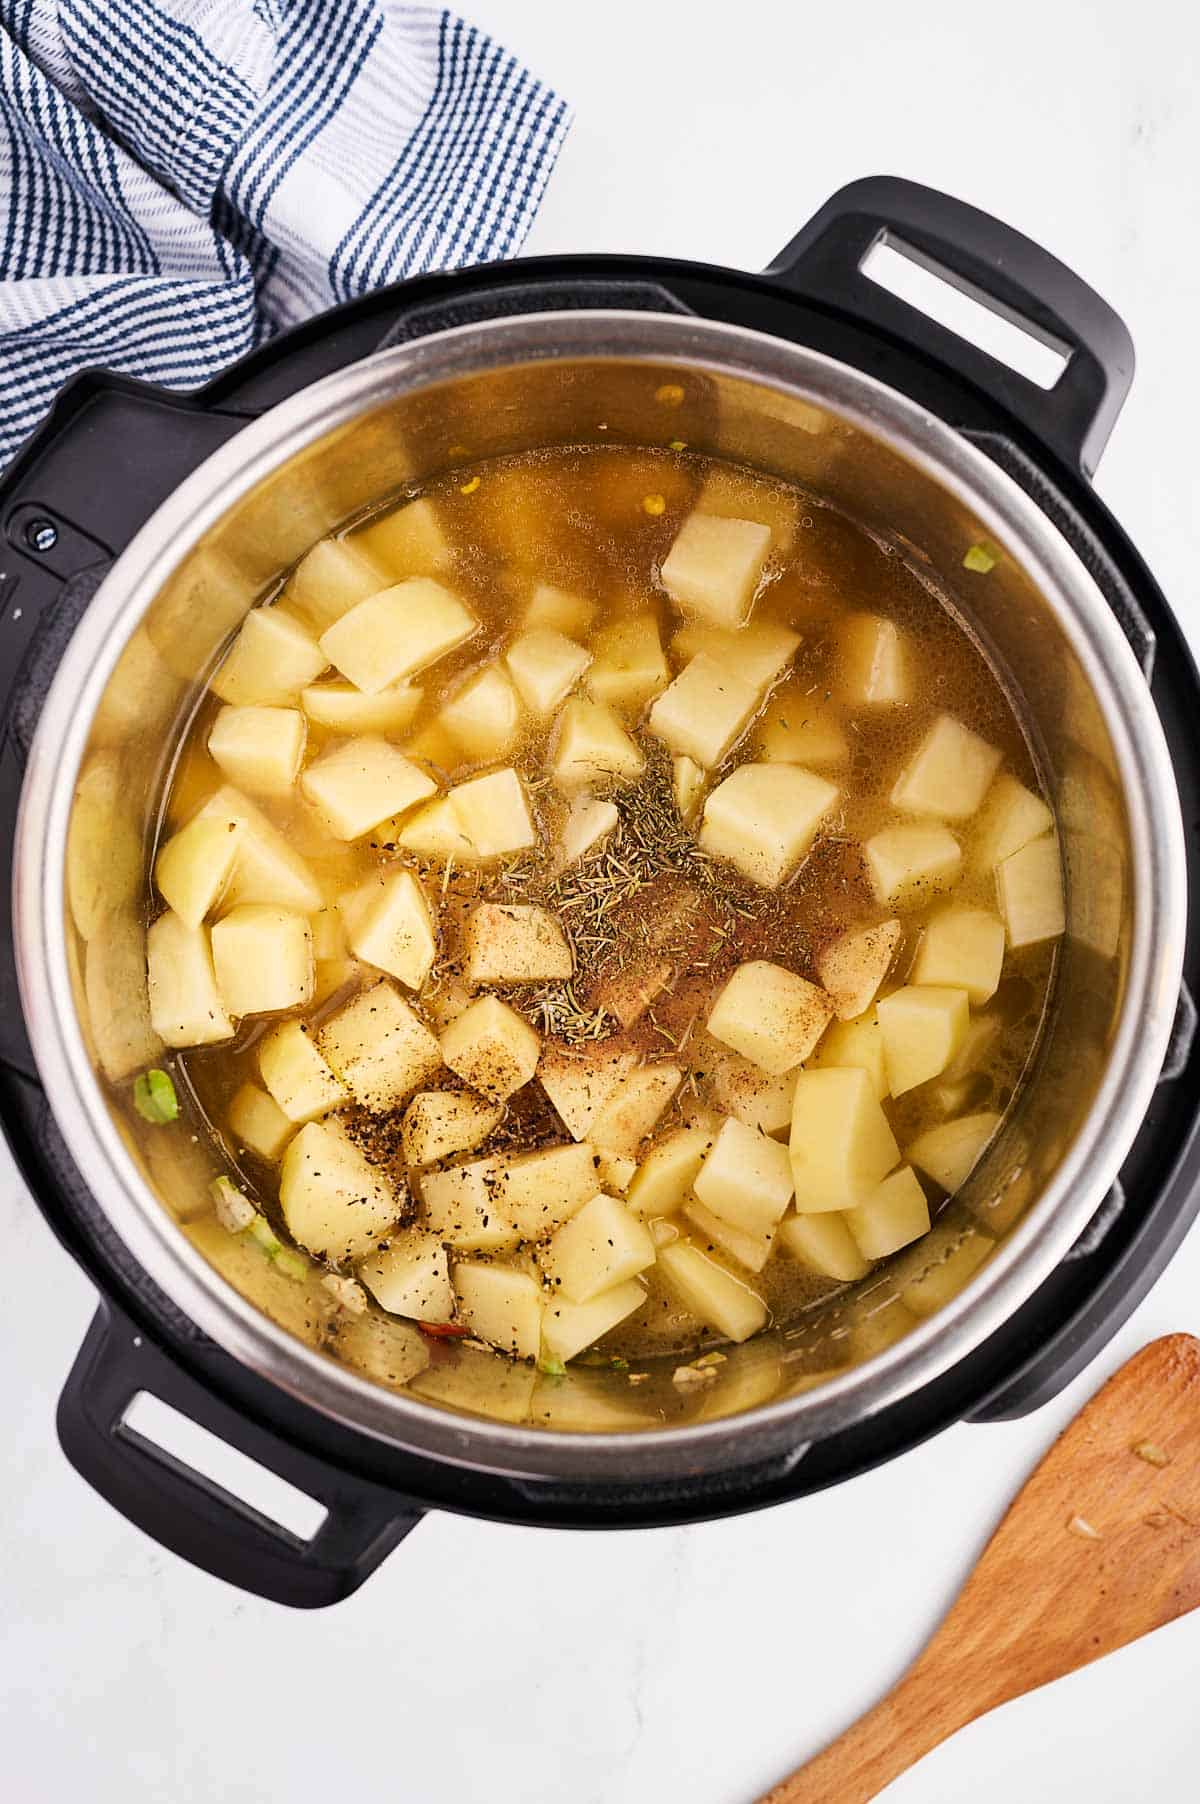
(979, 558)
(291, 1263)
(552, 1368)
(619, 1365)
(154, 1097)
(263, 1234)
(235, 1211)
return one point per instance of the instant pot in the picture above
(139, 527)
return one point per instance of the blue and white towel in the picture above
(181, 178)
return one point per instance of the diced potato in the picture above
(335, 1202)
(907, 865)
(446, 999)
(380, 1048)
(436, 746)
(478, 1383)
(390, 924)
(703, 711)
(397, 632)
(1011, 816)
(493, 813)
(298, 1078)
(194, 867)
(615, 1174)
(484, 716)
(558, 611)
(759, 653)
(977, 1043)
(567, 1328)
(963, 947)
(383, 1348)
(257, 1124)
(603, 1244)
(841, 1146)
(329, 579)
(461, 1207)
(746, 1178)
(539, 1191)
(592, 747)
(764, 818)
(411, 1277)
(856, 1045)
(949, 773)
(501, 1306)
(949, 1152)
(580, 1083)
(263, 959)
(852, 966)
(356, 785)
(687, 787)
(515, 943)
(800, 729)
(741, 495)
(344, 709)
(433, 831)
(629, 667)
(266, 868)
(259, 748)
(272, 659)
(740, 1089)
(892, 1216)
(628, 993)
(825, 1245)
(634, 1110)
(491, 1048)
(587, 825)
(105, 855)
(331, 975)
(668, 1172)
(545, 666)
(439, 1123)
(948, 1260)
(872, 663)
(923, 1026)
(711, 1292)
(750, 1247)
(770, 1015)
(1030, 888)
(186, 1007)
(409, 541)
(714, 566)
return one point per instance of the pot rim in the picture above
(1005, 513)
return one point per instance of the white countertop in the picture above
(489, 1665)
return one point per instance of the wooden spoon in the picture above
(1101, 1546)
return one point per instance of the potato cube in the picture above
(949, 1152)
(332, 975)
(259, 748)
(668, 1171)
(439, 1123)
(500, 1306)
(703, 711)
(750, 1247)
(629, 992)
(539, 1191)
(263, 959)
(977, 1044)
(687, 787)
(360, 783)
(491, 1048)
(329, 579)
(380, 1048)
(266, 868)
(433, 832)
(195, 865)
(633, 1110)
(746, 1178)
(398, 631)
(558, 611)
(764, 818)
(435, 745)
(892, 1216)
(1030, 888)
(105, 852)
(963, 947)
(412, 1277)
(296, 1075)
(841, 1146)
(741, 495)
(580, 1083)
(186, 1007)
(389, 924)
(478, 1382)
(592, 747)
(1010, 817)
(714, 566)
(408, 541)
(567, 1328)
(518, 943)
(872, 662)
(484, 716)
(740, 1089)
(545, 666)
(601, 1245)
(759, 653)
(945, 1263)
(461, 1207)
(257, 1124)
(615, 1174)
(949, 773)
(587, 826)
(629, 667)
(493, 812)
(770, 1015)
(824, 1244)
(907, 865)
(711, 1292)
(923, 1027)
(800, 729)
(118, 1005)
(335, 1202)
(344, 709)
(856, 1045)
(852, 966)
(272, 659)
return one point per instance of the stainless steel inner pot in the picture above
(168, 606)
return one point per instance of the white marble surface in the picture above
(489, 1665)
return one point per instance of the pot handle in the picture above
(191, 1514)
(997, 266)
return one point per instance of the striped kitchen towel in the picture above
(181, 178)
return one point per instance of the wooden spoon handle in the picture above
(903, 1727)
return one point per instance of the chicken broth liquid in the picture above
(758, 854)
